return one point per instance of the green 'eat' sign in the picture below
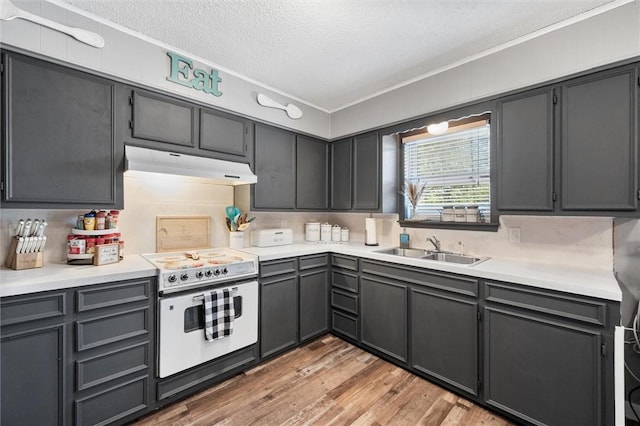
(182, 73)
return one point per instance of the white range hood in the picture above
(223, 172)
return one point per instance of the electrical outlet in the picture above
(514, 235)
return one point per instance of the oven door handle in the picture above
(237, 302)
(200, 297)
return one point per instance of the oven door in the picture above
(181, 328)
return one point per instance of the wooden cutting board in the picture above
(176, 233)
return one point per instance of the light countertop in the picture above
(587, 282)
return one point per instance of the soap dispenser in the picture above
(405, 241)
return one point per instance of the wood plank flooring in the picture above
(326, 382)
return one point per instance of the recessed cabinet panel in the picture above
(341, 175)
(163, 119)
(311, 173)
(314, 303)
(59, 145)
(222, 133)
(366, 172)
(599, 142)
(525, 152)
(275, 166)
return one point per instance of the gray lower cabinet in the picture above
(548, 356)
(34, 363)
(444, 334)
(345, 297)
(312, 173)
(275, 166)
(314, 296)
(278, 306)
(59, 122)
(81, 356)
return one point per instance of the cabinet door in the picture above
(314, 303)
(275, 159)
(544, 371)
(444, 337)
(59, 145)
(224, 134)
(599, 141)
(525, 152)
(311, 173)
(278, 315)
(366, 172)
(163, 119)
(383, 316)
(341, 175)
(33, 374)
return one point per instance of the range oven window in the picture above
(194, 316)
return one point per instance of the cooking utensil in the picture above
(19, 227)
(27, 228)
(292, 110)
(9, 11)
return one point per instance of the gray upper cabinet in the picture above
(162, 119)
(312, 170)
(275, 166)
(230, 137)
(525, 151)
(355, 173)
(341, 175)
(58, 141)
(599, 158)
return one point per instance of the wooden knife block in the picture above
(19, 261)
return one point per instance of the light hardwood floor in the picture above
(326, 382)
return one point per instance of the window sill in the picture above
(464, 226)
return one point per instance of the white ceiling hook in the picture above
(9, 11)
(292, 110)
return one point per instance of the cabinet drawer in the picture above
(119, 363)
(344, 281)
(456, 284)
(113, 404)
(345, 301)
(344, 262)
(90, 298)
(570, 307)
(111, 328)
(277, 267)
(344, 324)
(316, 261)
(19, 309)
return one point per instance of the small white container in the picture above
(448, 214)
(236, 240)
(472, 214)
(325, 232)
(336, 233)
(344, 235)
(460, 214)
(312, 231)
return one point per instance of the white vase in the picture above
(236, 239)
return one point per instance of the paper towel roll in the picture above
(370, 237)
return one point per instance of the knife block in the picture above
(20, 261)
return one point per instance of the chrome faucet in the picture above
(435, 241)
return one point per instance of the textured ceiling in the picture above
(333, 53)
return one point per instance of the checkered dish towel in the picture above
(218, 314)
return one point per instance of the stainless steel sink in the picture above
(438, 256)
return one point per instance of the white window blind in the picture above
(455, 167)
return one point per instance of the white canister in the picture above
(335, 233)
(325, 232)
(312, 231)
(344, 235)
(236, 239)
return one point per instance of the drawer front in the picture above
(107, 329)
(344, 262)
(315, 261)
(455, 284)
(113, 404)
(19, 309)
(90, 298)
(344, 324)
(344, 281)
(277, 267)
(346, 301)
(570, 307)
(104, 368)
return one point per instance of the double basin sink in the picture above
(439, 256)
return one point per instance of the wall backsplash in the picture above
(571, 241)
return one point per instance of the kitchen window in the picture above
(450, 162)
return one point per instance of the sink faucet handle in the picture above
(435, 241)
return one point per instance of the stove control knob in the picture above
(224, 271)
(172, 278)
(199, 274)
(184, 276)
(209, 273)
(217, 272)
